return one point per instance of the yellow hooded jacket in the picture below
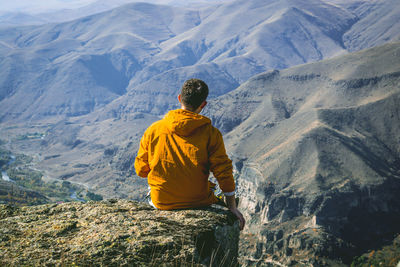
(176, 155)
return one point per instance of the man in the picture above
(177, 153)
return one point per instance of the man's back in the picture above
(177, 154)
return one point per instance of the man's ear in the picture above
(203, 104)
(180, 98)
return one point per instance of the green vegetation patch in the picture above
(93, 196)
(28, 187)
(5, 157)
(387, 256)
(29, 136)
(10, 193)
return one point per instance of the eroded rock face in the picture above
(117, 233)
(320, 175)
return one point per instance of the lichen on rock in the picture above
(116, 233)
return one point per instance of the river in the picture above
(4, 174)
(73, 194)
(75, 197)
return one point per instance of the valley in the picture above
(23, 184)
(306, 94)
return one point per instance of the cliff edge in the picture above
(116, 233)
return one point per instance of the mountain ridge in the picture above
(224, 41)
(316, 147)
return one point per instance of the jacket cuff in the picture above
(229, 194)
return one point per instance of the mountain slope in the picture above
(155, 40)
(372, 28)
(66, 12)
(234, 42)
(74, 68)
(317, 147)
(248, 33)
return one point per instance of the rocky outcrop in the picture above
(116, 233)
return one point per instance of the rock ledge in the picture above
(116, 233)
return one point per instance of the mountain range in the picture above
(146, 51)
(36, 13)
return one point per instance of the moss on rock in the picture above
(116, 233)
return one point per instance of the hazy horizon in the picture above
(41, 6)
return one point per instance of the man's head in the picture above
(194, 94)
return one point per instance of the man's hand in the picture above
(231, 203)
(239, 215)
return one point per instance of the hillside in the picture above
(12, 194)
(372, 29)
(137, 56)
(317, 154)
(72, 68)
(34, 13)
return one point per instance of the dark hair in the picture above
(193, 93)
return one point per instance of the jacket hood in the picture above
(184, 122)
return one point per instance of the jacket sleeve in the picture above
(142, 167)
(220, 164)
